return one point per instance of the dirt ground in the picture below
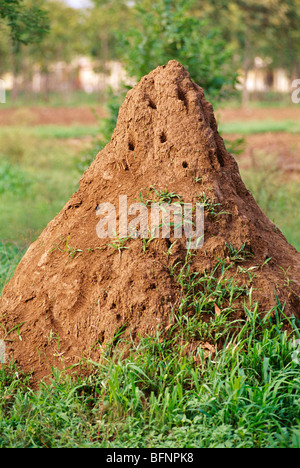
(85, 116)
(50, 116)
(266, 113)
(283, 147)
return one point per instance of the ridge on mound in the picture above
(72, 291)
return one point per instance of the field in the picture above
(246, 395)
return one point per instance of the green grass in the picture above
(277, 195)
(257, 126)
(259, 100)
(281, 205)
(75, 99)
(242, 394)
(37, 177)
(52, 99)
(240, 390)
(10, 255)
(52, 131)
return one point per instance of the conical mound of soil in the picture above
(73, 291)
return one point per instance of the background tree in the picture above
(268, 29)
(105, 20)
(5, 48)
(26, 23)
(66, 39)
(26, 20)
(166, 30)
(282, 43)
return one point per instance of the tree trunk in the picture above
(15, 69)
(246, 68)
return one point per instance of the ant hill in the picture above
(75, 292)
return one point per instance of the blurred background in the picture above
(67, 64)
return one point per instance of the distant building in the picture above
(261, 78)
(85, 74)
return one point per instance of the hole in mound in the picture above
(101, 337)
(151, 104)
(185, 164)
(163, 137)
(212, 157)
(131, 146)
(220, 157)
(182, 97)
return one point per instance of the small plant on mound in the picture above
(207, 308)
(160, 196)
(238, 254)
(209, 205)
(72, 252)
(119, 244)
(164, 196)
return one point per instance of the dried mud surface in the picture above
(72, 292)
(31, 116)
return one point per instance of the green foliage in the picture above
(27, 22)
(103, 21)
(66, 38)
(165, 31)
(268, 29)
(5, 48)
